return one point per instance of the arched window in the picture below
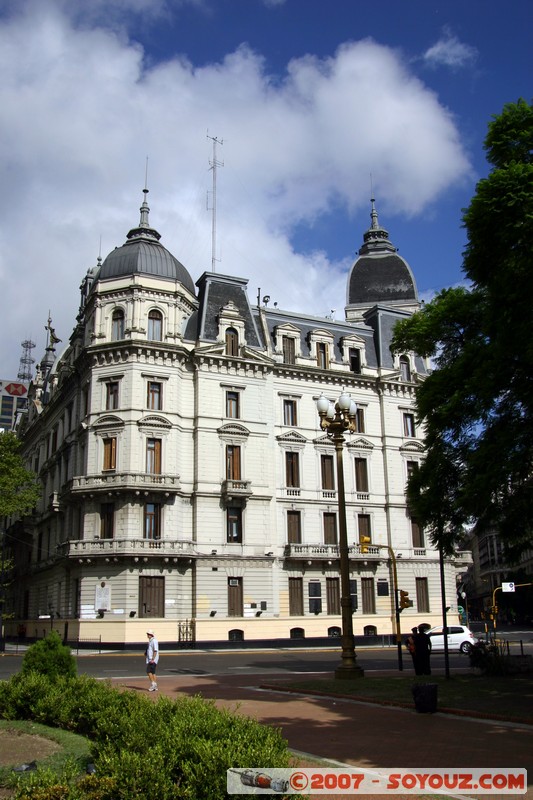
(334, 631)
(155, 326)
(117, 325)
(370, 630)
(232, 342)
(297, 633)
(236, 635)
(405, 369)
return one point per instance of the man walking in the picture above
(152, 657)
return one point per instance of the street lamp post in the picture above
(337, 420)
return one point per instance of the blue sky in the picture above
(314, 100)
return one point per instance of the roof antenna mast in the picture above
(213, 164)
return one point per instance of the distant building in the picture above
(13, 400)
(186, 479)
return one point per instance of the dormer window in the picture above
(117, 325)
(155, 326)
(232, 342)
(322, 356)
(355, 360)
(289, 349)
(405, 369)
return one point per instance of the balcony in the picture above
(235, 490)
(139, 549)
(112, 481)
(329, 552)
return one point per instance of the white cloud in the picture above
(82, 110)
(450, 52)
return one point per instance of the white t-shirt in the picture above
(152, 651)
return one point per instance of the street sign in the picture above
(508, 587)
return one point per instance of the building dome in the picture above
(379, 275)
(142, 254)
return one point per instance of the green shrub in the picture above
(168, 749)
(49, 657)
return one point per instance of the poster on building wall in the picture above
(102, 598)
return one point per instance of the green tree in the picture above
(19, 490)
(19, 493)
(477, 404)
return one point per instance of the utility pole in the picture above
(213, 165)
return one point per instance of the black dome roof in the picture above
(142, 254)
(379, 274)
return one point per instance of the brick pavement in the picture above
(362, 734)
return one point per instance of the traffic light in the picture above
(404, 600)
(364, 541)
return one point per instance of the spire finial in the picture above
(374, 215)
(145, 209)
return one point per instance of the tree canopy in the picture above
(477, 404)
(19, 490)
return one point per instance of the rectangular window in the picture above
(369, 599)
(154, 399)
(353, 595)
(361, 475)
(235, 605)
(417, 533)
(153, 456)
(107, 520)
(111, 396)
(355, 360)
(289, 350)
(296, 597)
(289, 413)
(408, 424)
(232, 405)
(110, 453)
(363, 526)
(322, 355)
(333, 596)
(360, 420)
(315, 597)
(422, 595)
(292, 470)
(328, 475)
(411, 468)
(294, 527)
(233, 462)
(330, 528)
(234, 525)
(152, 521)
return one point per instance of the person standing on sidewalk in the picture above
(421, 658)
(152, 657)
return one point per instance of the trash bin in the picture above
(425, 697)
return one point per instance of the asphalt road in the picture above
(202, 663)
(258, 662)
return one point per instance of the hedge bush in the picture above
(168, 749)
(49, 656)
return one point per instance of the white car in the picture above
(459, 638)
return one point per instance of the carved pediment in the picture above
(292, 437)
(232, 429)
(412, 447)
(359, 444)
(109, 421)
(154, 421)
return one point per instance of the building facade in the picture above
(186, 478)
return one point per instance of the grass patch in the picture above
(74, 748)
(510, 697)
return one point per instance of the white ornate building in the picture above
(186, 478)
